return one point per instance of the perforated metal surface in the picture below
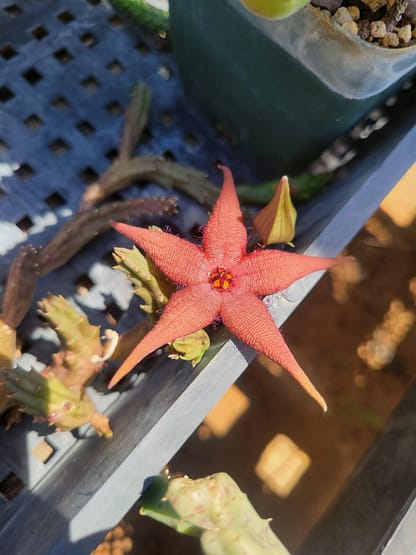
(66, 71)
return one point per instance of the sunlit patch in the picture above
(380, 350)
(344, 277)
(10, 236)
(219, 421)
(281, 465)
(272, 367)
(400, 203)
(221, 279)
(43, 451)
(380, 234)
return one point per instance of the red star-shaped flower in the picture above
(222, 279)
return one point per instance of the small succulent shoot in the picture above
(274, 9)
(83, 354)
(192, 347)
(275, 223)
(48, 399)
(149, 283)
(214, 509)
(74, 331)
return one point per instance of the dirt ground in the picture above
(355, 335)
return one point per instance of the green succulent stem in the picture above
(21, 284)
(154, 504)
(81, 356)
(149, 283)
(150, 168)
(85, 226)
(213, 509)
(75, 332)
(135, 120)
(144, 14)
(302, 188)
(47, 397)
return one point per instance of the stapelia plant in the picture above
(213, 509)
(220, 279)
(57, 395)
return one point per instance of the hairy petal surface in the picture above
(266, 271)
(225, 235)
(247, 317)
(181, 261)
(187, 311)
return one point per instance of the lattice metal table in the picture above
(66, 72)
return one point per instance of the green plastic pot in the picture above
(282, 111)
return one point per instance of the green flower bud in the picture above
(275, 223)
(191, 347)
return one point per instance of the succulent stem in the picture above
(46, 397)
(214, 509)
(21, 285)
(150, 168)
(135, 120)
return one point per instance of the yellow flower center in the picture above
(221, 279)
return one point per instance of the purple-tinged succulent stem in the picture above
(150, 168)
(21, 284)
(85, 226)
(135, 120)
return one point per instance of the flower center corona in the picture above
(221, 279)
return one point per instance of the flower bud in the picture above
(191, 347)
(275, 223)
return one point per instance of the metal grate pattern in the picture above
(66, 72)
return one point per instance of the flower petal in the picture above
(266, 271)
(225, 236)
(181, 261)
(187, 311)
(247, 317)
